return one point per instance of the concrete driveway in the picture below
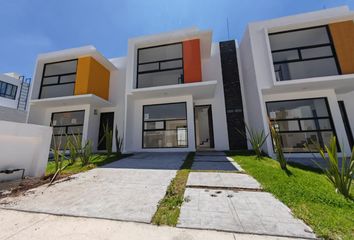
(129, 189)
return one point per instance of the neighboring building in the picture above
(14, 91)
(178, 91)
(298, 71)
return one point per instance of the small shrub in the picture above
(59, 157)
(119, 143)
(278, 146)
(256, 139)
(85, 154)
(74, 146)
(340, 177)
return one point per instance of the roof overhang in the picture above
(202, 90)
(90, 99)
(340, 83)
(73, 53)
(205, 37)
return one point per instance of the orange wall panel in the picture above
(192, 61)
(343, 39)
(82, 75)
(92, 78)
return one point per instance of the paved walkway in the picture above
(129, 189)
(234, 202)
(33, 226)
(213, 161)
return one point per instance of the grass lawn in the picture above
(169, 207)
(308, 193)
(96, 161)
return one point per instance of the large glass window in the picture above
(8, 90)
(165, 126)
(301, 122)
(65, 125)
(160, 65)
(303, 53)
(58, 79)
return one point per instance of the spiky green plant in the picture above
(119, 142)
(256, 139)
(86, 153)
(278, 147)
(74, 147)
(108, 138)
(339, 170)
(59, 157)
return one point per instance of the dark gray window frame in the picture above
(164, 127)
(67, 126)
(159, 63)
(57, 75)
(333, 129)
(298, 49)
(13, 93)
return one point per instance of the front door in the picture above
(106, 119)
(204, 127)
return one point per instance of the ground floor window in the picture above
(65, 125)
(165, 126)
(300, 122)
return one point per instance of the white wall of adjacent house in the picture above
(24, 146)
(7, 102)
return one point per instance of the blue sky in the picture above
(30, 27)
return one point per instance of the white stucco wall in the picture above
(24, 146)
(7, 102)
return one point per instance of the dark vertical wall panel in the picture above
(233, 95)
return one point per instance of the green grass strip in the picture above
(307, 193)
(169, 207)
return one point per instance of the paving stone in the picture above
(213, 166)
(211, 159)
(211, 153)
(240, 211)
(123, 190)
(227, 180)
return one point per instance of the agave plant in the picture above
(108, 138)
(86, 153)
(278, 146)
(119, 142)
(74, 147)
(339, 170)
(256, 139)
(59, 157)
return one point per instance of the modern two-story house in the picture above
(298, 74)
(166, 95)
(14, 90)
(179, 91)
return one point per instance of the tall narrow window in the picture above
(58, 79)
(160, 65)
(303, 53)
(67, 124)
(165, 126)
(302, 122)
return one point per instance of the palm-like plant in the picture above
(256, 139)
(340, 176)
(278, 146)
(108, 138)
(119, 142)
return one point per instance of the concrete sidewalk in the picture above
(34, 226)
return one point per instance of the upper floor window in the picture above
(303, 53)
(160, 65)
(58, 79)
(7, 90)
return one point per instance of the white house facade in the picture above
(179, 91)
